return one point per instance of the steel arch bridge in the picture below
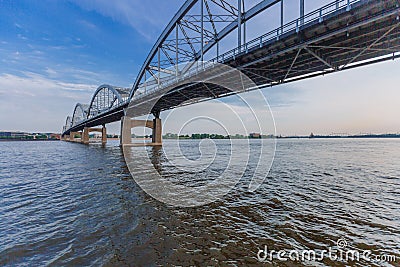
(105, 98)
(336, 36)
(79, 114)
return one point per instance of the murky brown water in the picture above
(70, 204)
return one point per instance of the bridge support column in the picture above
(157, 131)
(126, 136)
(85, 136)
(72, 136)
(127, 124)
(103, 135)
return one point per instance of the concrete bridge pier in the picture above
(85, 136)
(88, 130)
(157, 132)
(128, 123)
(103, 135)
(72, 136)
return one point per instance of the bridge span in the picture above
(340, 35)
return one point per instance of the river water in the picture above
(70, 204)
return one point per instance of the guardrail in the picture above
(297, 24)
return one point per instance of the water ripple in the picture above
(70, 204)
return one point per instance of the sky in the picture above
(54, 54)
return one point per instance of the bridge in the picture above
(338, 36)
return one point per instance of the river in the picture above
(70, 204)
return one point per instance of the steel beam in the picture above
(319, 57)
(202, 31)
(177, 17)
(176, 49)
(301, 12)
(167, 71)
(291, 65)
(371, 45)
(159, 67)
(239, 24)
(245, 17)
(325, 36)
(282, 20)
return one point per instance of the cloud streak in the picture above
(147, 20)
(36, 84)
(33, 102)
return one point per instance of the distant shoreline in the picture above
(276, 137)
(23, 140)
(271, 136)
(383, 136)
(341, 137)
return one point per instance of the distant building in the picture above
(28, 136)
(95, 135)
(13, 135)
(255, 135)
(55, 136)
(5, 134)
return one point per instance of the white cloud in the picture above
(51, 72)
(33, 82)
(37, 103)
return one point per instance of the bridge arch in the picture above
(197, 27)
(105, 98)
(80, 113)
(68, 123)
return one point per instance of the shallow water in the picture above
(70, 204)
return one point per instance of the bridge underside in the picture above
(338, 42)
(366, 34)
(107, 117)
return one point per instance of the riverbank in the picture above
(30, 140)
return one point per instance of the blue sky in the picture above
(61, 37)
(54, 54)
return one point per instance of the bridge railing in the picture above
(295, 25)
(175, 79)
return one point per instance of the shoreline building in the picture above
(255, 135)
